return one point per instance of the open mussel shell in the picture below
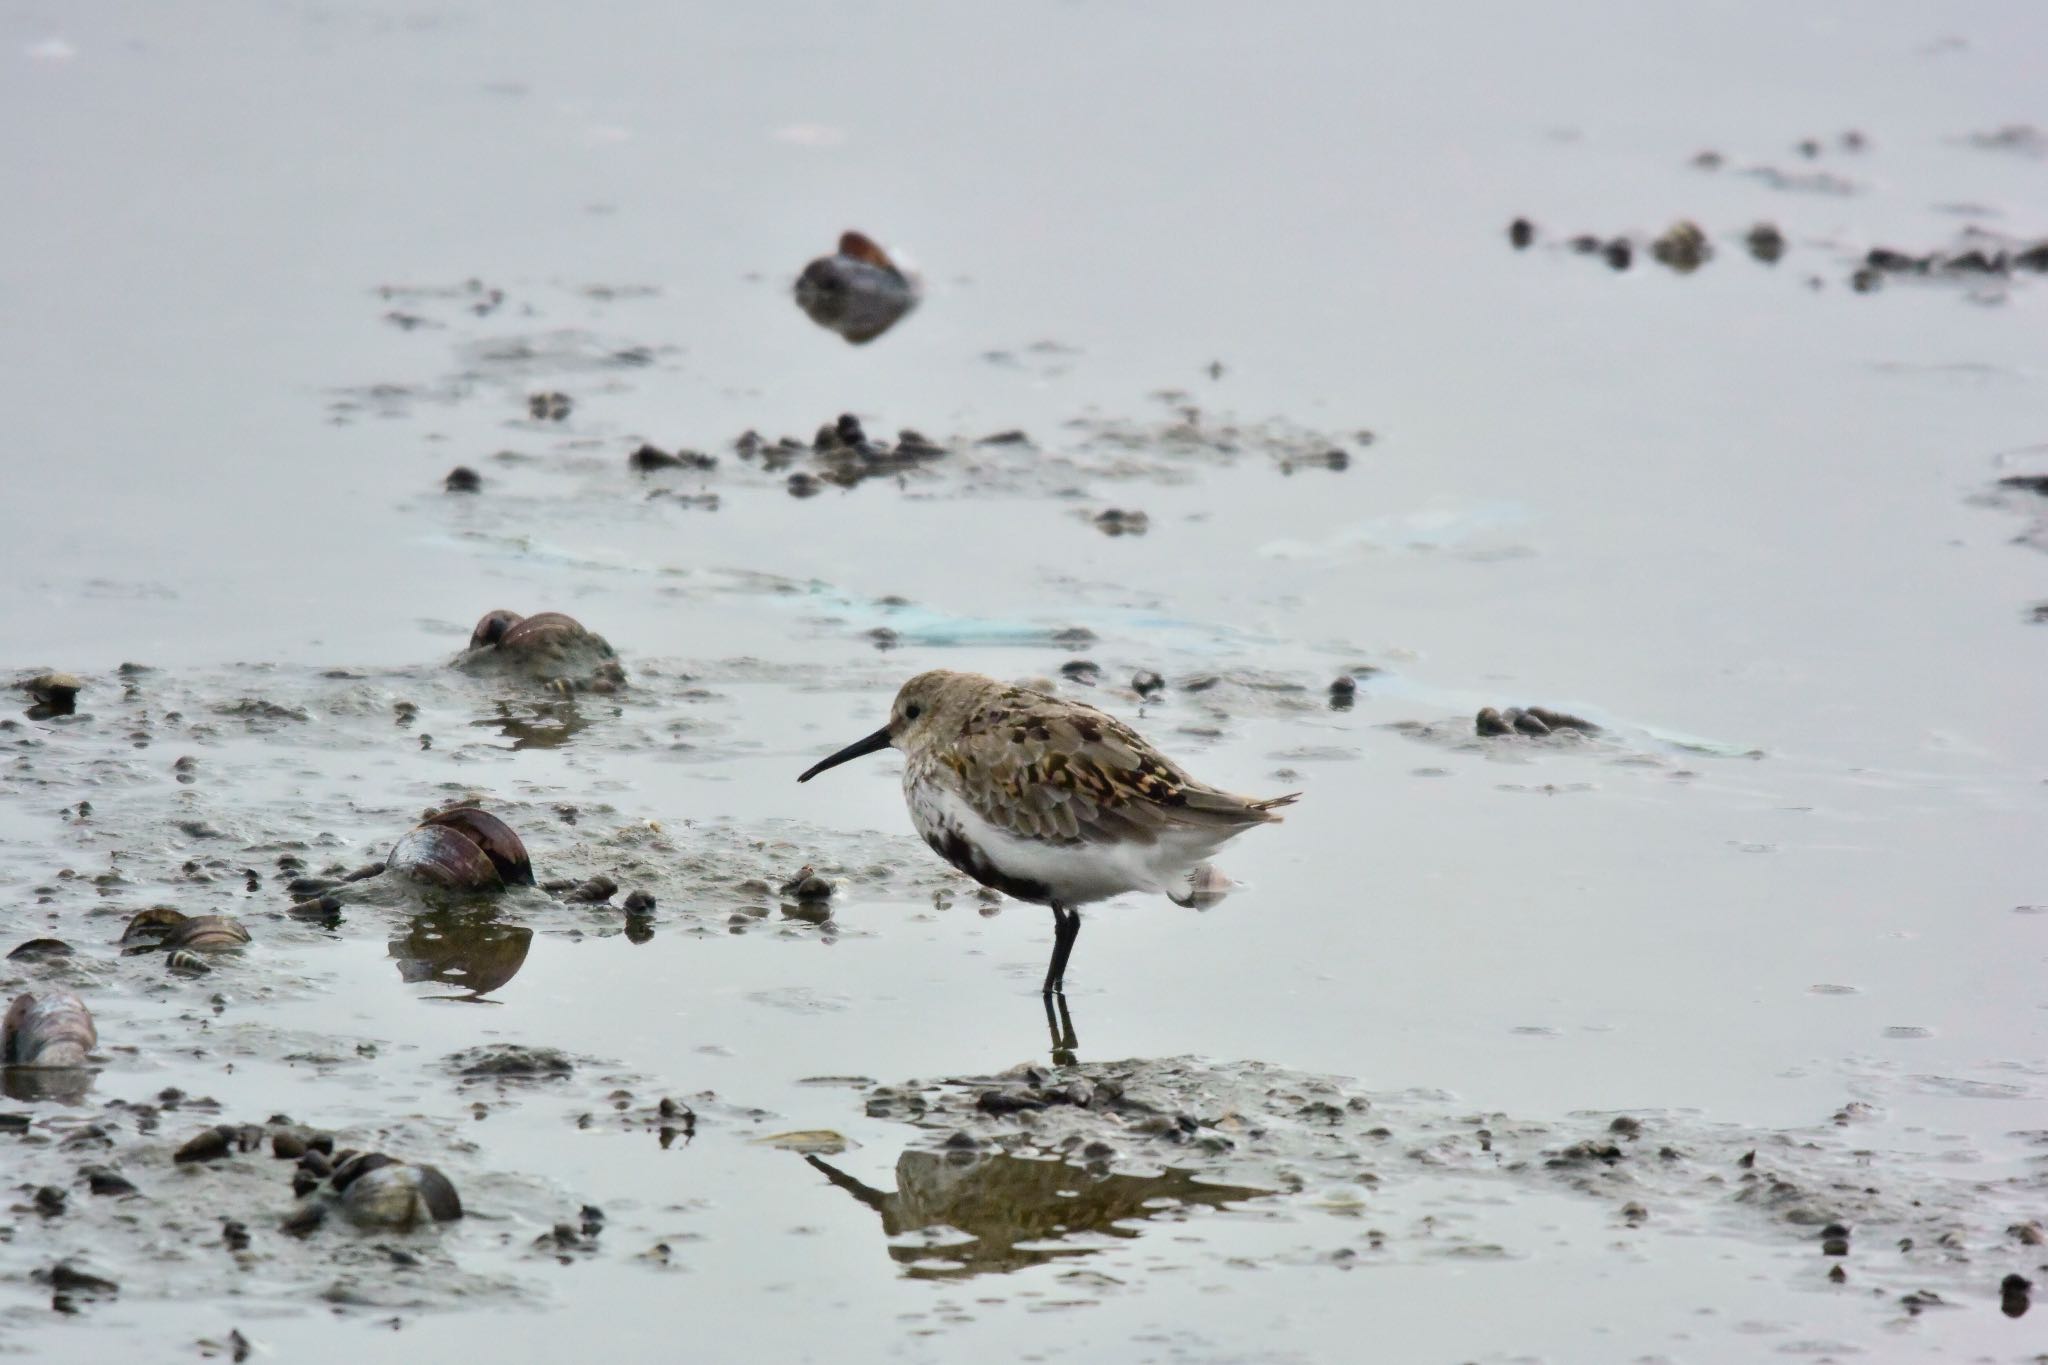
(207, 934)
(492, 627)
(440, 856)
(373, 1190)
(464, 849)
(51, 1030)
(499, 842)
(148, 927)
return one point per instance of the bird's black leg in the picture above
(1066, 927)
(1060, 1025)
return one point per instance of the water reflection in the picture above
(469, 948)
(536, 725)
(52, 1084)
(1009, 1209)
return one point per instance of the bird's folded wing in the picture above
(1068, 772)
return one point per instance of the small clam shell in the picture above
(441, 856)
(496, 838)
(492, 627)
(54, 1030)
(207, 934)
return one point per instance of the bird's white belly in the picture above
(1038, 870)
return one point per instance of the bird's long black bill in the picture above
(876, 741)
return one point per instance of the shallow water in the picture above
(1744, 518)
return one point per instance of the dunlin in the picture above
(1049, 800)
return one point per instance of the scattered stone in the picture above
(1683, 247)
(2014, 1293)
(548, 407)
(1618, 253)
(1115, 521)
(463, 479)
(1521, 232)
(1146, 683)
(1766, 243)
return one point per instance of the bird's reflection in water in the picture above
(469, 948)
(536, 725)
(1009, 1209)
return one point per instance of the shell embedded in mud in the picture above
(857, 291)
(173, 930)
(373, 1190)
(550, 647)
(463, 849)
(53, 1030)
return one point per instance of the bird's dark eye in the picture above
(912, 711)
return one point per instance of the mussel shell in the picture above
(152, 924)
(443, 856)
(857, 292)
(207, 933)
(401, 1195)
(492, 627)
(499, 842)
(54, 1030)
(548, 628)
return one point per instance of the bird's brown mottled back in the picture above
(1043, 767)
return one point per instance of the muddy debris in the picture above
(1521, 232)
(1766, 243)
(550, 648)
(548, 407)
(807, 885)
(1343, 692)
(1147, 683)
(650, 458)
(2014, 1295)
(69, 1283)
(1533, 721)
(591, 890)
(221, 1140)
(54, 694)
(1117, 521)
(857, 291)
(511, 1062)
(463, 479)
